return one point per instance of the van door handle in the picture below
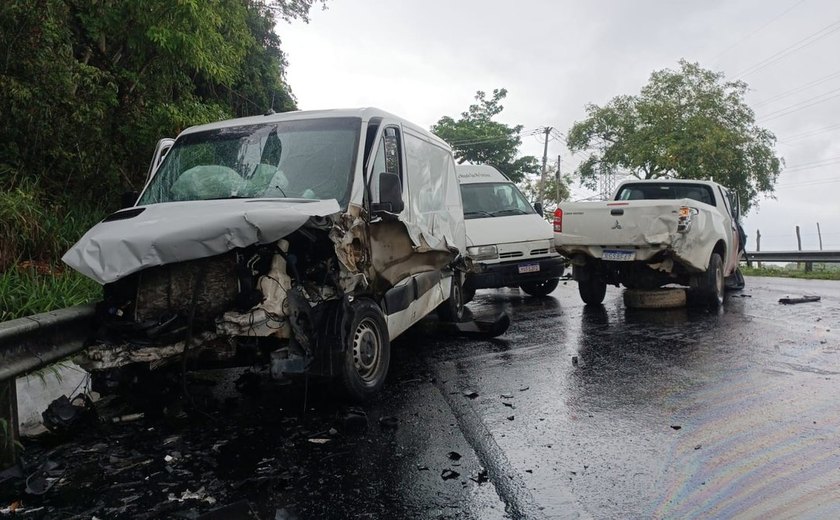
(617, 211)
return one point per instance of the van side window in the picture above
(387, 160)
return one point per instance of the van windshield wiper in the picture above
(478, 212)
(514, 211)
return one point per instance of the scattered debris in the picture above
(64, 415)
(506, 396)
(319, 440)
(470, 394)
(389, 422)
(454, 455)
(804, 299)
(128, 418)
(42, 479)
(698, 446)
(481, 477)
(448, 474)
(510, 417)
(676, 427)
(199, 494)
(509, 405)
(422, 467)
(524, 388)
(353, 420)
(575, 360)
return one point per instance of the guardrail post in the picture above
(9, 434)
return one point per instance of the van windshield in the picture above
(304, 159)
(493, 199)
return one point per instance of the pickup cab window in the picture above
(493, 199)
(303, 159)
(663, 191)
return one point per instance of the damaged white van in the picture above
(308, 240)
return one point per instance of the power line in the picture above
(810, 133)
(796, 90)
(790, 49)
(796, 107)
(756, 31)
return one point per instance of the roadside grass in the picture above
(26, 291)
(820, 272)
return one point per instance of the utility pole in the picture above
(547, 131)
(557, 183)
(819, 234)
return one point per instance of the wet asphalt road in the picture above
(574, 413)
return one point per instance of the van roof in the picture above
(364, 113)
(475, 173)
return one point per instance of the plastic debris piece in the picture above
(470, 394)
(676, 427)
(524, 388)
(804, 299)
(64, 415)
(506, 396)
(510, 417)
(454, 455)
(448, 474)
(199, 494)
(481, 477)
(388, 422)
(319, 440)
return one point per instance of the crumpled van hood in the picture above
(144, 236)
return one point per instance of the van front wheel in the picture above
(367, 352)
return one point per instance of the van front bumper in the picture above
(489, 276)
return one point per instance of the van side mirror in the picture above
(390, 194)
(129, 199)
(538, 207)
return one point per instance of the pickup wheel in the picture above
(540, 289)
(711, 283)
(367, 352)
(592, 288)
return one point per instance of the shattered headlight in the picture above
(685, 216)
(483, 252)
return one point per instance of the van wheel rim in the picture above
(367, 351)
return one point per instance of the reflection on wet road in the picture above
(669, 414)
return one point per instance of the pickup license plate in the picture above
(618, 255)
(529, 268)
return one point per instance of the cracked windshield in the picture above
(308, 159)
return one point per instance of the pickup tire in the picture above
(592, 288)
(367, 352)
(710, 285)
(654, 299)
(540, 289)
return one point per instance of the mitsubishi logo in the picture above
(617, 225)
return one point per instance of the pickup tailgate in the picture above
(614, 229)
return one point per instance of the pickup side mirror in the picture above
(390, 194)
(538, 207)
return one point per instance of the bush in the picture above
(29, 290)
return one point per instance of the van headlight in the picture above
(483, 252)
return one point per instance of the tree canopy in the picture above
(476, 138)
(87, 88)
(685, 124)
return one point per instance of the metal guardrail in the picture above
(30, 343)
(793, 256)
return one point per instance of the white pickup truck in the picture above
(654, 233)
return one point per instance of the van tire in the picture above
(654, 299)
(540, 289)
(592, 288)
(367, 352)
(452, 309)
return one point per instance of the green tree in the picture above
(477, 138)
(685, 124)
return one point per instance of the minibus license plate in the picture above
(618, 255)
(529, 268)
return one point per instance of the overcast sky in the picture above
(424, 60)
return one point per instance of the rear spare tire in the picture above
(654, 299)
